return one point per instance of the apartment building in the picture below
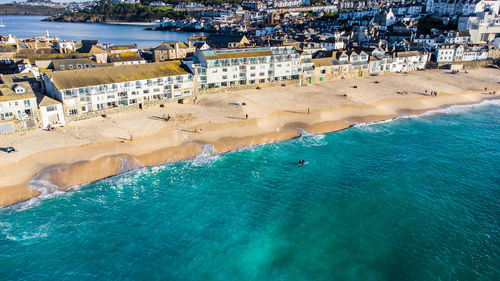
(482, 27)
(231, 67)
(89, 90)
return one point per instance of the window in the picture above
(261, 74)
(224, 70)
(145, 92)
(252, 67)
(73, 111)
(50, 108)
(224, 77)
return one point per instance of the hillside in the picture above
(16, 9)
(117, 12)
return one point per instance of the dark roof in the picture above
(67, 64)
(224, 38)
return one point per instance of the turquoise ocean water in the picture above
(412, 199)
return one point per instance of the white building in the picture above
(483, 26)
(17, 103)
(231, 67)
(445, 53)
(51, 112)
(83, 91)
(331, 44)
(408, 61)
(448, 53)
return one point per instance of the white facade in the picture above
(408, 61)
(332, 44)
(231, 67)
(52, 115)
(19, 109)
(483, 27)
(446, 53)
(97, 97)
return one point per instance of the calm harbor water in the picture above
(411, 199)
(29, 26)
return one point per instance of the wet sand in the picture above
(89, 150)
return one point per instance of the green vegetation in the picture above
(427, 23)
(330, 16)
(17, 9)
(119, 12)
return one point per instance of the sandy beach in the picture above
(89, 150)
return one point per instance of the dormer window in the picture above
(19, 89)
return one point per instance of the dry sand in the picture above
(93, 149)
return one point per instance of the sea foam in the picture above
(453, 109)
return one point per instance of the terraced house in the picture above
(18, 107)
(232, 67)
(98, 89)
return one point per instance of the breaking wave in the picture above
(309, 140)
(207, 156)
(453, 109)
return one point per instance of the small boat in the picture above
(1, 23)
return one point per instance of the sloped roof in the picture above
(90, 49)
(171, 46)
(122, 47)
(73, 62)
(7, 93)
(125, 57)
(322, 62)
(115, 74)
(47, 101)
(407, 54)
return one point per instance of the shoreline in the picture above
(75, 155)
(105, 166)
(137, 23)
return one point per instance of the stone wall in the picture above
(21, 126)
(249, 86)
(466, 64)
(145, 105)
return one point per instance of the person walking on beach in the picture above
(131, 138)
(246, 116)
(308, 111)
